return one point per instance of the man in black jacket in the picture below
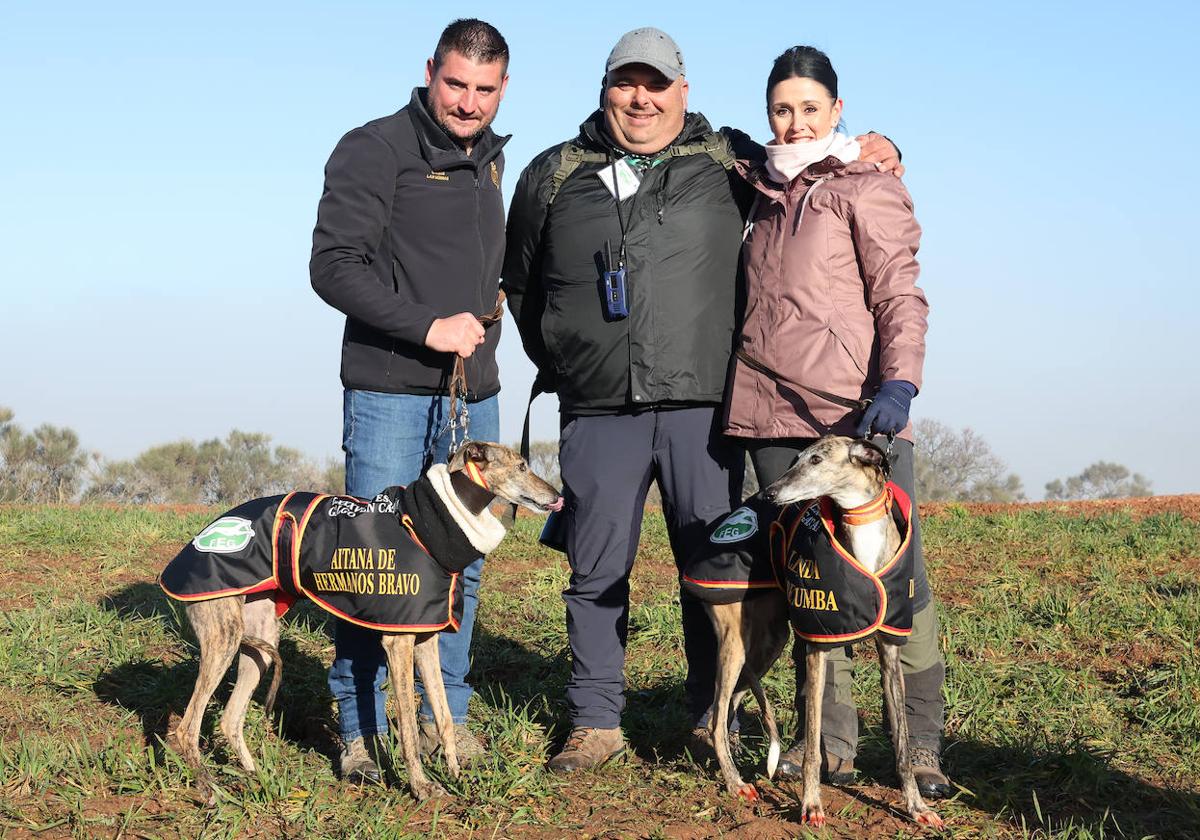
(638, 392)
(408, 244)
(623, 249)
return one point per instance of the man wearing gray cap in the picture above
(620, 270)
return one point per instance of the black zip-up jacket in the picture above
(410, 229)
(683, 235)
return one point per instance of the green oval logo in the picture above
(225, 536)
(739, 525)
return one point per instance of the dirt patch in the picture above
(19, 583)
(868, 811)
(1187, 506)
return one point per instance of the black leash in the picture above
(845, 402)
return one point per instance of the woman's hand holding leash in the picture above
(888, 412)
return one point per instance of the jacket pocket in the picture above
(852, 349)
(387, 371)
(550, 318)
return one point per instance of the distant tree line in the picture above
(1102, 480)
(47, 465)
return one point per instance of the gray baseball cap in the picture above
(647, 45)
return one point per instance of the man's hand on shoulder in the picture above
(460, 334)
(877, 149)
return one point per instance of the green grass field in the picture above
(1073, 695)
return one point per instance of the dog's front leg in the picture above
(399, 648)
(429, 665)
(814, 688)
(731, 658)
(893, 694)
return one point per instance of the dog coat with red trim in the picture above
(832, 599)
(357, 559)
(735, 561)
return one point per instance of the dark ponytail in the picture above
(803, 63)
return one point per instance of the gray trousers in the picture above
(607, 464)
(920, 658)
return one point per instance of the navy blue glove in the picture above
(888, 412)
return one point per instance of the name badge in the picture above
(626, 182)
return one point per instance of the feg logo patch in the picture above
(739, 525)
(225, 536)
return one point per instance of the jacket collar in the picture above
(438, 150)
(831, 167)
(594, 134)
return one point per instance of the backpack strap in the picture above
(715, 145)
(570, 157)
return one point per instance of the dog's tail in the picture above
(272, 654)
(768, 714)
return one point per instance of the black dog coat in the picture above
(832, 600)
(359, 560)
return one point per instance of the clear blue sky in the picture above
(160, 166)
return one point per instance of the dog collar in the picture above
(471, 488)
(475, 474)
(873, 510)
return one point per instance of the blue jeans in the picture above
(385, 438)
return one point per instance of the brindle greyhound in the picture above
(248, 622)
(851, 473)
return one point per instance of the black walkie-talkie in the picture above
(616, 302)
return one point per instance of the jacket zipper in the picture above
(806, 200)
(482, 263)
(387, 372)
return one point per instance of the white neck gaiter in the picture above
(786, 161)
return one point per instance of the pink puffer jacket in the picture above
(832, 299)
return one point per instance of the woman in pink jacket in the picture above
(832, 304)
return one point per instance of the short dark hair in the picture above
(803, 63)
(474, 39)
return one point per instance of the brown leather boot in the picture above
(468, 746)
(927, 769)
(588, 747)
(834, 769)
(359, 761)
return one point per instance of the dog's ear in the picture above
(867, 454)
(476, 451)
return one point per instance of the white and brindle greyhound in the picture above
(247, 619)
(752, 633)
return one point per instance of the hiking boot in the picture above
(467, 745)
(700, 743)
(358, 762)
(588, 747)
(834, 769)
(927, 769)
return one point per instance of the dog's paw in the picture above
(814, 815)
(748, 792)
(929, 818)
